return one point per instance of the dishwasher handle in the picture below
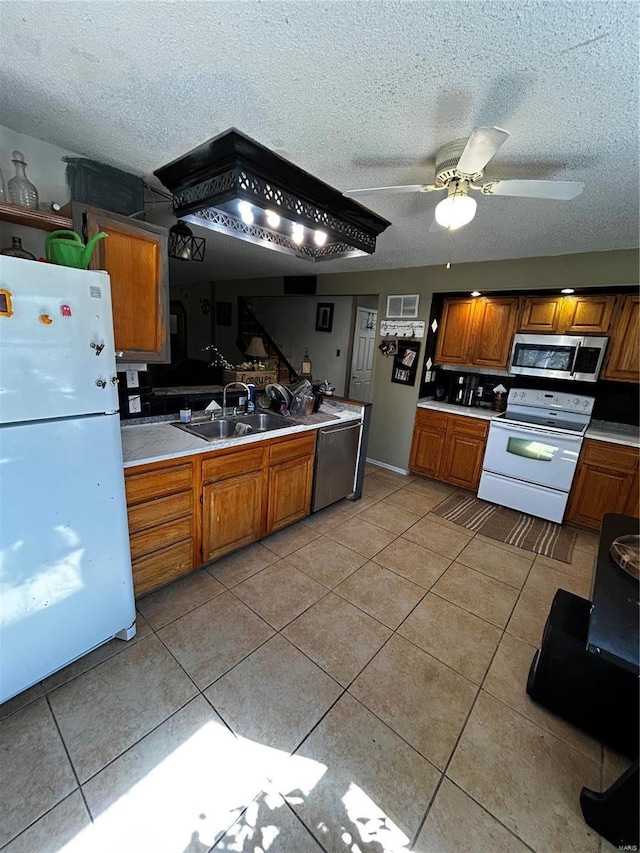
(332, 430)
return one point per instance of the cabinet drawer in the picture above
(245, 460)
(155, 484)
(471, 426)
(162, 567)
(160, 537)
(159, 511)
(292, 448)
(610, 455)
(430, 418)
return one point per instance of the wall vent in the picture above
(403, 307)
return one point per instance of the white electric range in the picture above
(532, 451)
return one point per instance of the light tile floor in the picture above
(353, 683)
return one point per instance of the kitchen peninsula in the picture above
(191, 501)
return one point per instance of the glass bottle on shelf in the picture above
(21, 191)
(16, 250)
(3, 194)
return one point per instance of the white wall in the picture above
(291, 323)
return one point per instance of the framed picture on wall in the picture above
(405, 363)
(324, 317)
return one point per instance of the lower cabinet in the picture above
(290, 481)
(606, 481)
(448, 447)
(160, 505)
(186, 513)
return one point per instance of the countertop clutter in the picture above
(155, 439)
(598, 430)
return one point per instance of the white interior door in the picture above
(362, 356)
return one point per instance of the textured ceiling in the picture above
(358, 93)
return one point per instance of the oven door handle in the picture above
(535, 430)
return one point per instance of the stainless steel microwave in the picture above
(558, 356)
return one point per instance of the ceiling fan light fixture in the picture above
(456, 210)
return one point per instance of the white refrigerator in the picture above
(65, 565)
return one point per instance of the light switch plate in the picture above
(135, 406)
(132, 379)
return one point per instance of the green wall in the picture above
(394, 405)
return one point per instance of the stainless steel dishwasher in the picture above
(336, 460)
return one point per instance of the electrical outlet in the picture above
(132, 379)
(135, 406)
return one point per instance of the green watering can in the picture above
(67, 249)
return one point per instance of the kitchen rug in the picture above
(509, 525)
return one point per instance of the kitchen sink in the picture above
(236, 426)
(263, 421)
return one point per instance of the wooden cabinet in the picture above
(135, 256)
(623, 360)
(233, 497)
(290, 481)
(160, 507)
(540, 314)
(427, 444)
(454, 335)
(465, 443)
(449, 447)
(494, 326)
(585, 314)
(606, 481)
(477, 331)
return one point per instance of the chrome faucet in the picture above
(224, 398)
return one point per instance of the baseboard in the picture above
(387, 467)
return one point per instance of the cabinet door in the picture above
(541, 314)
(494, 326)
(463, 452)
(587, 314)
(289, 492)
(454, 335)
(604, 482)
(623, 363)
(426, 450)
(135, 256)
(231, 514)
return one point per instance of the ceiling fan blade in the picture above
(481, 146)
(560, 190)
(410, 188)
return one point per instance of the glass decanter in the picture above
(21, 191)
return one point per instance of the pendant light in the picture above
(183, 246)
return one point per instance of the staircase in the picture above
(248, 327)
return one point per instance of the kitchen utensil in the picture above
(67, 249)
(317, 401)
(279, 393)
(302, 386)
(264, 401)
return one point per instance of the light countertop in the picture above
(452, 409)
(615, 433)
(598, 430)
(156, 441)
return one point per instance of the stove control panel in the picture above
(550, 400)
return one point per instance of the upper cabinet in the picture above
(477, 331)
(135, 256)
(623, 360)
(558, 315)
(495, 324)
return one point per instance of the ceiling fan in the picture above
(460, 165)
